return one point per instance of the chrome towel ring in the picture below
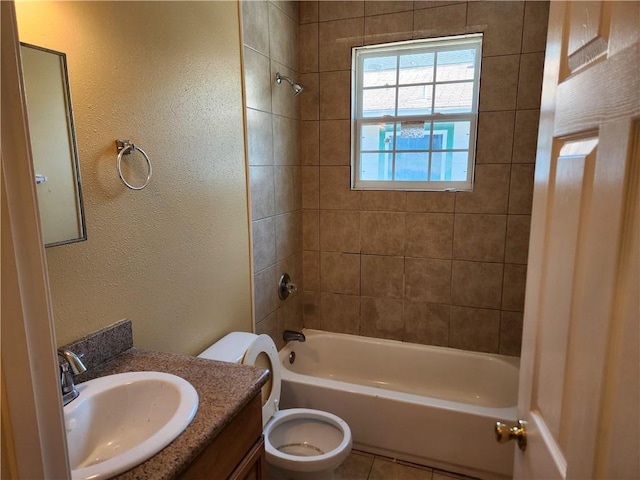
(125, 147)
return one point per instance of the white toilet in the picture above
(300, 443)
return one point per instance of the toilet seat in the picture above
(264, 344)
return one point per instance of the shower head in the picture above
(297, 88)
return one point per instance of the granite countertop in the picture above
(223, 390)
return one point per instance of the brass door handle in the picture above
(517, 432)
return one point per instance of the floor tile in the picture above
(356, 467)
(384, 469)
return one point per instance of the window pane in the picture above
(454, 135)
(449, 166)
(413, 136)
(454, 98)
(376, 166)
(378, 102)
(379, 71)
(415, 100)
(416, 68)
(456, 65)
(412, 166)
(377, 136)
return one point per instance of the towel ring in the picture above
(125, 147)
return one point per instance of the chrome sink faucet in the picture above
(70, 365)
(290, 335)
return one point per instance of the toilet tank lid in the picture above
(230, 348)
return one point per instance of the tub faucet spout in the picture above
(290, 336)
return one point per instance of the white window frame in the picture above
(441, 44)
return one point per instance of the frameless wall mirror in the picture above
(53, 145)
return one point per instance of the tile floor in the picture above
(365, 466)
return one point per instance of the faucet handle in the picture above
(285, 287)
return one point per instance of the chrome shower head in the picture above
(297, 88)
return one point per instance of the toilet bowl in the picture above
(300, 443)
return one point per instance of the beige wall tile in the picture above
(382, 233)
(495, 137)
(264, 243)
(503, 20)
(431, 202)
(309, 138)
(499, 83)
(382, 7)
(530, 80)
(335, 95)
(476, 284)
(310, 97)
(290, 7)
(297, 188)
(426, 323)
(335, 189)
(525, 139)
(429, 235)
(392, 27)
(336, 38)
(284, 189)
(511, 333)
(308, 11)
(257, 80)
(521, 189)
(440, 21)
(517, 248)
(330, 10)
(285, 140)
(382, 276)
(311, 270)
(311, 229)
(420, 4)
(288, 234)
(513, 287)
(255, 26)
(262, 192)
(280, 38)
(490, 191)
(427, 280)
(259, 137)
(266, 296)
(311, 314)
(340, 231)
(308, 48)
(475, 329)
(388, 201)
(340, 273)
(479, 237)
(536, 17)
(269, 326)
(340, 313)
(290, 314)
(310, 187)
(335, 142)
(381, 318)
(283, 102)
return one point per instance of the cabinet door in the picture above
(253, 466)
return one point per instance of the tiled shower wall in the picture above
(427, 267)
(270, 38)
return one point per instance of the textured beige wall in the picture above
(174, 257)
(425, 267)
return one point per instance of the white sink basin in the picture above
(121, 420)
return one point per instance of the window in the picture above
(415, 111)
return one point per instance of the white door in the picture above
(579, 393)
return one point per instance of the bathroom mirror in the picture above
(53, 145)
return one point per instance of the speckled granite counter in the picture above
(223, 389)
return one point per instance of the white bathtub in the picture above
(430, 405)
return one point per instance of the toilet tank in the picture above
(230, 348)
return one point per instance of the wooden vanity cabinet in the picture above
(237, 453)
